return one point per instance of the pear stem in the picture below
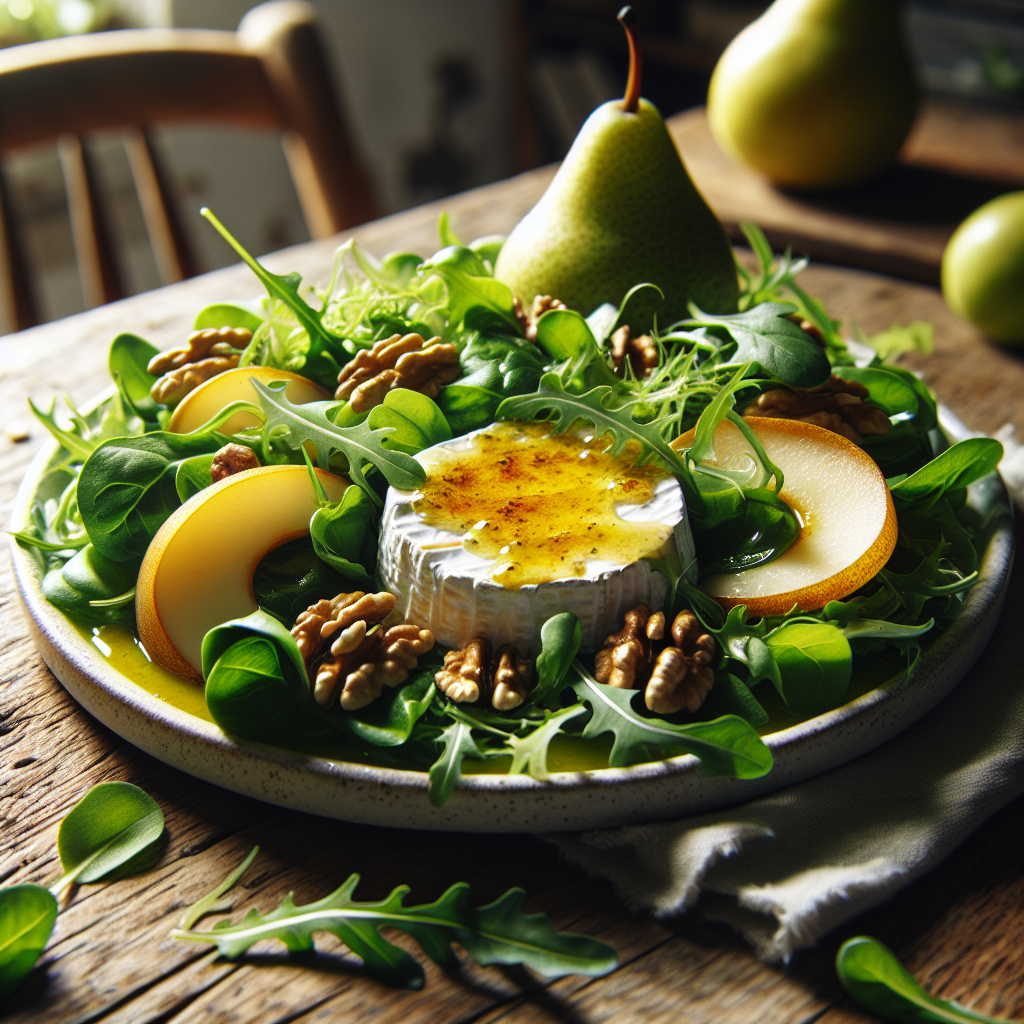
(628, 20)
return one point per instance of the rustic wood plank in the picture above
(111, 959)
(898, 223)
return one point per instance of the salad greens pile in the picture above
(123, 472)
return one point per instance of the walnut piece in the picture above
(625, 660)
(682, 675)
(207, 353)
(401, 361)
(541, 305)
(363, 656)
(838, 405)
(808, 327)
(232, 459)
(471, 672)
(677, 676)
(641, 352)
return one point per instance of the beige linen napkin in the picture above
(789, 868)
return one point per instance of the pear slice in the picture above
(198, 570)
(233, 386)
(841, 498)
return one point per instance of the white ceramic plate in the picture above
(497, 803)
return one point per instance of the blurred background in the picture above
(441, 96)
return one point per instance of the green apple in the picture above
(983, 269)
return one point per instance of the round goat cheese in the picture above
(498, 538)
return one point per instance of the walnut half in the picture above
(207, 353)
(472, 672)
(401, 361)
(838, 405)
(677, 676)
(640, 352)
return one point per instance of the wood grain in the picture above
(111, 959)
(899, 223)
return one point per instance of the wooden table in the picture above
(111, 959)
(956, 158)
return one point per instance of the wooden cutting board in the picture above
(956, 158)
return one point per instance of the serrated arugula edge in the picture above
(530, 752)
(360, 444)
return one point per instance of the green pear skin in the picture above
(621, 211)
(815, 94)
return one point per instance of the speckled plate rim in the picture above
(567, 801)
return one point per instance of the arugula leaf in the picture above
(212, 903)
(560, 639)
(128, 361)
(27, 915)
(362, 445)
(115, 830)
(879, 629)
(458, 743)
(726, 746)
(74, 441)
(530, 752)
(918, 336)
(874, 978)
(744, 643)
(766, 336)
(497, 933)
(285, 288)
(731, 696)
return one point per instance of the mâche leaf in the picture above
(814, 665)
(560, 639)
(498, 933)
(115, 830)
(27, 916)
(874, 978)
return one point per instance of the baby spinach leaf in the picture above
(766, 336)
(725, 746)
(415, 421)
(115, 830)
(468, 406)
(261, 691)
(93, 588)
(361, 444)
(127, 488)
(497, 933)
(473, 292)
(27, 916)
(530, 752)
(815, 664)
(560, 639)
(193, 476)
(248, 695)
(457, 744)
(954, 469)
(874, 978)
(887, 389)
(227, 314)
(487, 248)
(128, 359)
(563, 332)
(390, 719)
(344, 535)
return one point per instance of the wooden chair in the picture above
(270, 74)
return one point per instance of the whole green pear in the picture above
(621, 211)
(983, 269)
(815, 94)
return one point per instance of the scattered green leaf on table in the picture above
(115, 830)
(874, 978)
(212, 903)
(27, 916)
(497, 933)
